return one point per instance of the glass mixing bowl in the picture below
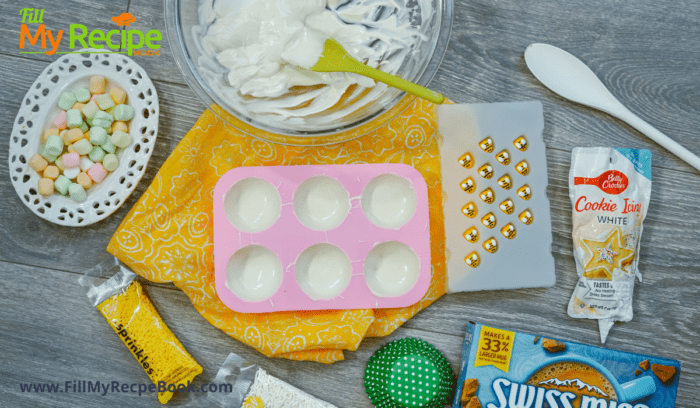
(181, 16)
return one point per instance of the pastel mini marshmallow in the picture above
(110, 162)
(72, 136)
(84, 127)
(117, 125)
(123, 113)
(38, 163)
(84, 180)
(82, 146)
(77, 192)
(51, 172)
(74, 118)
(45, 187)
(103, 123)
(71, 173)
(48, 132)
(46, 154)
(109, 147)
(82, 95)
(118, 95)
(97, 172)
(89, 110)
(120, 139)
(104, 102)
(78, 106)
(67, 100)
(96, 154)
(93, 98)
(85, 163)
(98, 136)
(97, 84)
(111, 111)
(60, 120)
(104, 116)
(59, 163)
(61, 184)
(71, 160)
(71, 149)
(54, 145)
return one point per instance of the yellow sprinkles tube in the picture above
(137, 323)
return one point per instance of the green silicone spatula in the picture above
(336, 59)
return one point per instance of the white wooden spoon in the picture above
(567, 76)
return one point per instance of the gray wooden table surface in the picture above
(646, 51)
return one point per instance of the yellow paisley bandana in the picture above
(168, 234)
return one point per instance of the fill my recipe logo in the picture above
(34, 34)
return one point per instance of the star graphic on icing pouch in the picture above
(606, 255)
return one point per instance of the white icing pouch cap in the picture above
(610, 191)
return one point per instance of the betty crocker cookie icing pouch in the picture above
(610, 190)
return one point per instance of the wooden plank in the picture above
(51, 334)
(641, 50)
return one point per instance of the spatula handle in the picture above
(655, 135)
(398, 83)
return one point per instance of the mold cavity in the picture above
(252, 205)
(119, 68)
(72, 68)
(26, 178)
(391, 269)
(254, 273)
(145, 113)
(323, 271)
(54, 79)
(87, 63)
(321, 203)
(389, 201)
(45, 91)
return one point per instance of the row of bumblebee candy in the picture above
(488, 195)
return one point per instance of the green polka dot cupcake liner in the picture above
(409, 373)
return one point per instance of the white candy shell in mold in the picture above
(323, 271)
(391, 269)
(389, 201)
(252, 205)
(321, 203)
(38, 109)
(254, 273)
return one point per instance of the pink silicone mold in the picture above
(306, 238)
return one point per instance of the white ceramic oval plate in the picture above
(39, 108)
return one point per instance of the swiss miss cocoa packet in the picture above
(610, 190)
